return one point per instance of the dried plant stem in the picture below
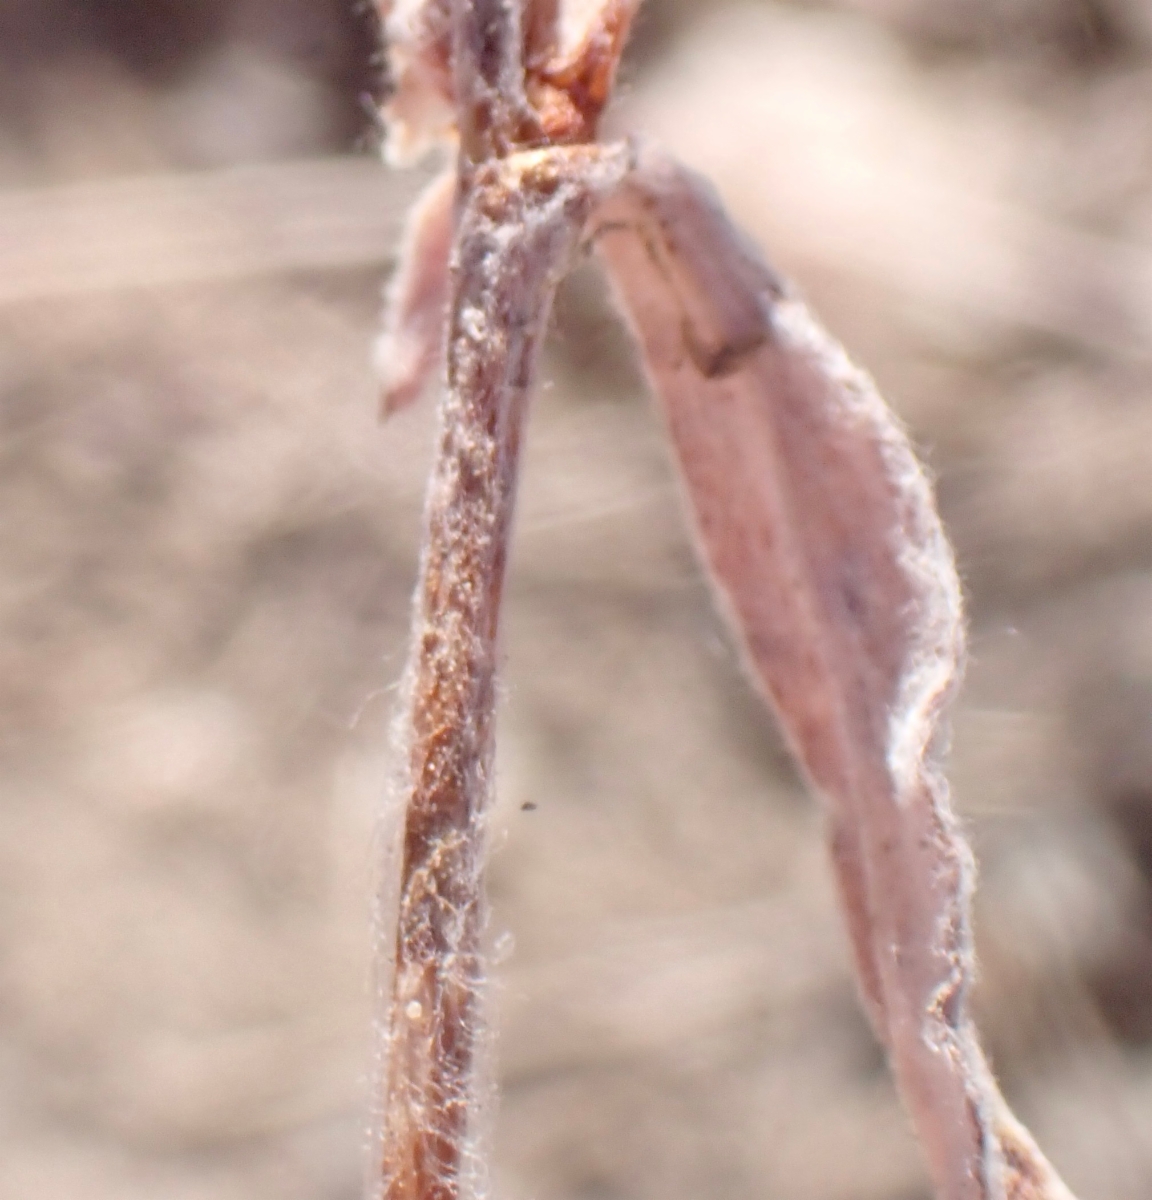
(520, 220)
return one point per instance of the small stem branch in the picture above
(488, 70)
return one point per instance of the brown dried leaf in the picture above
(421, 109)
(821, 534)
(408, 351)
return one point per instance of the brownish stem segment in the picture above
(519, 224)
(492, 113)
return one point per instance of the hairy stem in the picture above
(519, 223)
(493, 116)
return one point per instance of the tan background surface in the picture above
(207, 545)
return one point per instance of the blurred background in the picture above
(208, 545)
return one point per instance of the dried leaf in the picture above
(408, 351)
(819, 529)
(421, 109)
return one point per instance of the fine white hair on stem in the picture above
(520, 223)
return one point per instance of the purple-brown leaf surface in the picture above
(820, 532)
(408, 351)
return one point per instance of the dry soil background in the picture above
(207, 546)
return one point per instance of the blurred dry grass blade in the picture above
(1087, 290)
(169, 229)
(1084, 289)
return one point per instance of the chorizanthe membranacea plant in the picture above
(812, 516)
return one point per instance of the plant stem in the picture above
(520, 220)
